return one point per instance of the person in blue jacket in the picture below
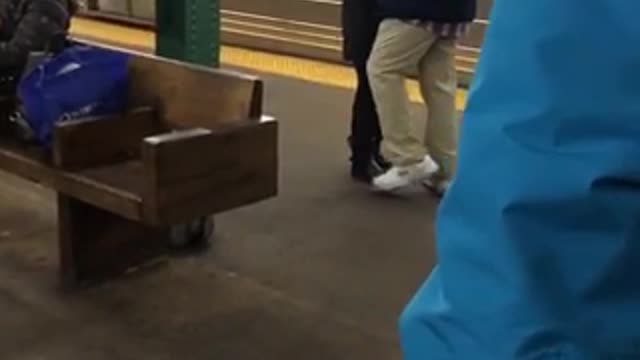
(539, 236)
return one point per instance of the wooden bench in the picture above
(194, 143)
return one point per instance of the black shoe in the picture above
(381, 163)
(366, 170)
(364, 165)
(361, 173)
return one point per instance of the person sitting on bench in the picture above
(28, 26)
(30, 30)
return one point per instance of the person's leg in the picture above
(360, 139)
(397, 52)
(366, 119)
(365, 130)
(438, 83)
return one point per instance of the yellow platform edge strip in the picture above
(317, 72)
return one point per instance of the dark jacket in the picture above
(30, 25)
(360, 20)
(445, 11)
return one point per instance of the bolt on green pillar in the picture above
(189, 30)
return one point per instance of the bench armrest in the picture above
(200, 172)
(84, 143)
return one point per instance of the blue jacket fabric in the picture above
(445, 11)
(539, 236)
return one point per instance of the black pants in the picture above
(366, 134)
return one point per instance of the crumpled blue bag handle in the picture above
(81, 81)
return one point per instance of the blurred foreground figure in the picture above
(539, 236)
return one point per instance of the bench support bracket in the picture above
(96, 245)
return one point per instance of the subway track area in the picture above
(319, 273)
(316, 72)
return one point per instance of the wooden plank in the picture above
(191, 96)
(118, 200)
(28, 162)
(93, 142)
(235, 167)
(31, 163)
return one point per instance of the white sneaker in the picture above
(398, 177)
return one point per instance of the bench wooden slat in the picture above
(191, 96)
(101, 194)
(31, 163)
(127, 176)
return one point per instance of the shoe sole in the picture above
(418, 181)
(378, 190)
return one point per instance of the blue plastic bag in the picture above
(539, 237)
(79, 82)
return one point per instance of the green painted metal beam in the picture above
(189, 30)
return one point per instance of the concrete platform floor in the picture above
(319, 273)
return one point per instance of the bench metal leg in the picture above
(96, 245)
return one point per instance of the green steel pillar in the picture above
(189, 30)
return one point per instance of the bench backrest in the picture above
(190, 96)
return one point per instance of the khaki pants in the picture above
(401, 50)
